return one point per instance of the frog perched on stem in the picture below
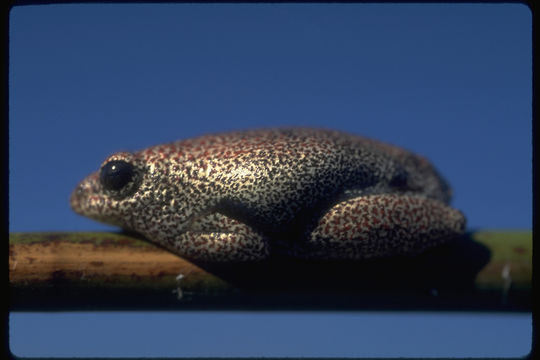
(294, 192)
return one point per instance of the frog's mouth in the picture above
(88, 200)
(82, 199)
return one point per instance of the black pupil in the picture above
(116, 174)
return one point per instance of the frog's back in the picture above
(359, 162)
(273, 176)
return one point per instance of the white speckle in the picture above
(507, 282)
(505, 273)
(208, 170)
(178, 290)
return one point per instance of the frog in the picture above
(290, 192)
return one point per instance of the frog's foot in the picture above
(218, 238)
(383, 225)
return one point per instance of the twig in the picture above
(89, 271)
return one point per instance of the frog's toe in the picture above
(384, 225)
(219, 247)
(217, 238)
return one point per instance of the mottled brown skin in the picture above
(300, 192)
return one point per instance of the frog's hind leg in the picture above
(383, 225)
(217, 238)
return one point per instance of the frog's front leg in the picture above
(218, 238)
(383, 225)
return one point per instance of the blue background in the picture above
(451, 82)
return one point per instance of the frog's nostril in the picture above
(74, 199)
(77, 196)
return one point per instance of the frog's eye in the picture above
(116, 174)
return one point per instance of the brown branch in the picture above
(67, 271)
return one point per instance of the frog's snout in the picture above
(82, 196)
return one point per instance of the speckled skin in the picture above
(307, 193)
